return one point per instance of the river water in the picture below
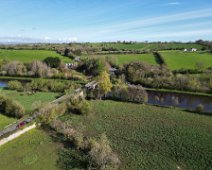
(3, 83)
(186, 101)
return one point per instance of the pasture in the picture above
(187, 60)
(149, 137)
(33, 150)
(28, 56)
(30, 101)
(121, 59)
(147, 46)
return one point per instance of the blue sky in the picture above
(111, 20)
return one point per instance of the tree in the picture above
(40, 69)
(14, 68)
(104, 82)
(53, 62)
(92, 66)
(101, 155)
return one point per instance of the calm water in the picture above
(3, 83)
(186, 101)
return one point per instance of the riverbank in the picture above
(179, 92)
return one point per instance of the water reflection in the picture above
(186, 101)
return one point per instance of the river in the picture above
(185, 101)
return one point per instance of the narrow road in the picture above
(14, 127)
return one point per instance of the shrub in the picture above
(92, 66)
(200, 108)
(48, 113)
(135, 94)
(15, 85)
(101, 155)
(79, 106)
(50, 85)
(39, 69)
(14, 68)
(11, 107)
(53, 62)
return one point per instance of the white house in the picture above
(193, 50)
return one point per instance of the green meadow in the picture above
(30, 101)
(150, 137)
(121, 59)
(186, 60)
(147, 46)
(27, 56)
(34, 150)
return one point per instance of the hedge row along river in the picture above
(185, 101)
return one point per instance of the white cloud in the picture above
(172, 4)
(140, 23)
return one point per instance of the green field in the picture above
(147, 46)
(186, 60)
(149, 137)
(34, 150)
(29, 100)
(27, 56)
(5, 121)
(122, 59)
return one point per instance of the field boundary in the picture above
(16, 135)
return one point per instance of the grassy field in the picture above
(5, 121)
(149, 137)
(27, 56)
(148, 46)
(186, 60)
(34, 150)
(122, 59)
(29, 100)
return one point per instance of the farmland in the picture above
(127, 58)
(186, 60)
(33, 150)
(147, 46)
(121, 59)
(149, 137)
(27, 56)
(29, 100)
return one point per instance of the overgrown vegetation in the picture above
(11, 108)
(149, 137)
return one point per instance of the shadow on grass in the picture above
(69, 157)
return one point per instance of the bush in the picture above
(39, 69)
(101, 155)
(53, 62)
(50, 112)
(200, 108)
(14, 68)
(135, 94)
(50, 85)
(79, 106)
(92, 66)
(11, 107)
(15, 85)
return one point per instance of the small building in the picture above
(71, 65)
(185, 50)
(193, 50)
(92, 85)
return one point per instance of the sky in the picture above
(105, 20)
